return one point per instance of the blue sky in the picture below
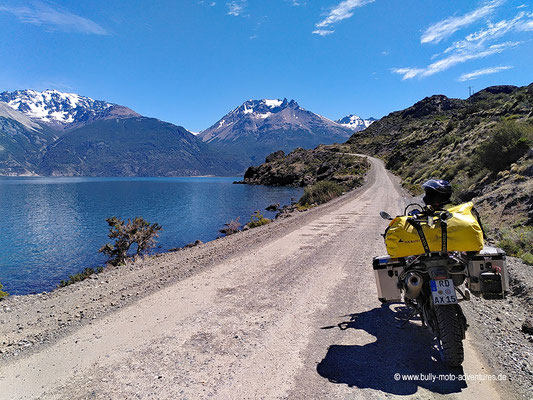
(190, 62)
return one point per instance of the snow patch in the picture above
(325, 118)
(55, 106)
(273, 103)
(355, 122)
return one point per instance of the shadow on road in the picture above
(405, 351)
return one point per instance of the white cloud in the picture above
(485, 71)
(493, 31)
(445, 28)
(408, 73)
(45, 14)
(323, 32)
(453, 59)
(236, 8)
(526, 24)
(522, 6)
(475, 45)
(341, 11)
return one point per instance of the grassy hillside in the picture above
(482, 145)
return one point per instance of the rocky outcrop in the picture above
(430, 105)
(306, 167)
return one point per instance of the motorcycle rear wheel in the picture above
(450, 334)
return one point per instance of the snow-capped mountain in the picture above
(62, 110)
(64, 134)
(258, 127)
(355, 123)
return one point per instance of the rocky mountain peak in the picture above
(60, 109)
(259, 127)
(433, 104)
(264, 108)
(355, 123)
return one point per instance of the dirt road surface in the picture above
(295, 317)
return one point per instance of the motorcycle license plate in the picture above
(443, 292)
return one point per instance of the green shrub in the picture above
(126, 234)
(518, 242)
(321, 192)
(87, 272)
(3, 294)
(527, 258)
(510, 141)
(304, 207)
(257, 219)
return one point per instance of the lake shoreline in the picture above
(53, 227)
(35, 320)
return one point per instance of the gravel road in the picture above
(288, 310)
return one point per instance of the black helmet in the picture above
(438, 192)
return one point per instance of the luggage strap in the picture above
(478, 217)
(444, 229)
(418, 228)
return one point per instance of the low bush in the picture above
(510, 141)
(527, 258)
(2, 293)
(231, 227)
(257, 219)
(303, 207)
(87, 272)
(518, 242)
(321, 192)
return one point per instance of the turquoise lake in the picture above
(53, 227)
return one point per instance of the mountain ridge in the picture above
(37, 125)
(259, 127)
(64, 134)
(61, 110)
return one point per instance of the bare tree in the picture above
(231, 227)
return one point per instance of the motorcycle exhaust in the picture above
(413, 285)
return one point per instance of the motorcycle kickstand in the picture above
(409, 317)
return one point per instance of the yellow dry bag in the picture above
(462, 229)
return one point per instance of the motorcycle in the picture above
(430, 283)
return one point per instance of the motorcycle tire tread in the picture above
(450, 334)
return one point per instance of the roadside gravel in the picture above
(496, 327)
(30, 322)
